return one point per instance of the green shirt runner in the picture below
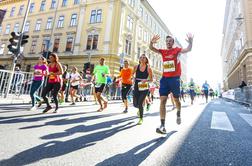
(99, 71)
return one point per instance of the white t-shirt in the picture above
(75, 76)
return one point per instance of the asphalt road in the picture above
(217, 133)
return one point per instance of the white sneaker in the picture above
(34, 108)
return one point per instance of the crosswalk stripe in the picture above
(247, 118)
(220, 121)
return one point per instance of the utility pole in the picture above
(18, 48)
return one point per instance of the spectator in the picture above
(242, 84)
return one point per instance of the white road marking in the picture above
(247, 118)
(220, 121)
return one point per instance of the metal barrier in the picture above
(20, 83)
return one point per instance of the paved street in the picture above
(219, 133)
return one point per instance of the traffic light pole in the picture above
(16, 55)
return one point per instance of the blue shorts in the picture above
(170, 85)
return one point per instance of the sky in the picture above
(204, 19)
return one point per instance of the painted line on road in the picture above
(220, 121)
(247, 118)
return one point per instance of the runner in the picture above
(205, 88)
(99, 74)
(192, 90)
(141, 88)
(40, 70)
(126, 75)
(65, 78)
(170, 82)
(182, 90)
(75, 79)
(54, 82)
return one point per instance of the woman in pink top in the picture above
(54, 82)
(40, 70)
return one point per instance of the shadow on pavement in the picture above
(66, 121)
(137, 155)
(18, 119)
(83, 128)
(53, 149)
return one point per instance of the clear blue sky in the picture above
(203, 18)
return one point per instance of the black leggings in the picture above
(54, 87)
(139, 99)
(125, 91)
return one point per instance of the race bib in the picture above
(75, 83)
(169, 66)
(51, 77)
(38, 72)
(143, 86)
(97, 85)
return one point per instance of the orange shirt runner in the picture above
(126, 74)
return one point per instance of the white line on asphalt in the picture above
(247, 118)
(220, 121)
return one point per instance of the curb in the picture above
(248, 105)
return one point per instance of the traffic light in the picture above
(14, 43)
(24, 39)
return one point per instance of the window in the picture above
(7, 30)
(76, 2)
(129, 23)
(32, 7)
(69, 44)
(2, 48)
(16, 27)
(92, 42)
(12, 11)
(93, 15)
(27, 26)
(56, 45)
(140, 11)
(138, 52)
(145, 36)
(140, 33)
(73, 21)
(128, 47)
(64, 3)
(131, 3)
(95, 42)
(1, 29)
(33, 46)
(45, 44)
(37, 26)
(21, 9)
(96, 16)
(146, 18)
(53, 4)
(42, 5)
(49, 23)
(60, 22)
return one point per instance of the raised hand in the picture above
(189, 38)
(155, 39)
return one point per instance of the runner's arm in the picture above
(190, 42)
(152, 42)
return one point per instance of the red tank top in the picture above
(53, 78)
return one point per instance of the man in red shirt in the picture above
(170, 81)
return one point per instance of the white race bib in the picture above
(142, 86)
(169, 66)
(75, 83)
(98, 85)
(38, 72)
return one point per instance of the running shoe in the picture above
(138, 113)
(125, 111)
(72, 104)
(140, 121)
(55, 111)
(148, 107)
(34, 108)
(47, 109)
(40, 103)
(161, 130)
(178, 118)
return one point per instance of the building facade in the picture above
(82, 31)
(237, 44)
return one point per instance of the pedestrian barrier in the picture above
(19, 85)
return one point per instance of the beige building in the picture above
(85, 30)
(237, 43)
